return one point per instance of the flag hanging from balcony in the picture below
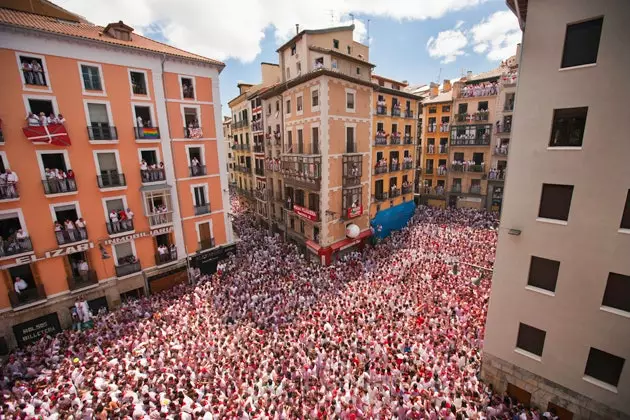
(150, 133)
(54, 134)
(195, 133)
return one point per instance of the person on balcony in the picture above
(129, 214)
(173, 252)
(163, 253)
(194, 163)
(20, 285)
(60, 119)
(29, 76)
(113, 221)
(71, 230)
(38, 72)
(122, 217)
(59, 232)
(43, 119)
(72, 183)
(61, 180)
(80, 225)
(32, 119)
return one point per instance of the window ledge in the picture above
(100, 142)
(149, 141)
(75, 243)
(615, 311)
(113, 189)
(600, 384)
(560, 148)
(583, 66)
(539, 290)
(528, 354)
(9, 200)
(552, 221)
(61, 194)
(30, 305)
(625, 231)
(118, 235)
(14, 256)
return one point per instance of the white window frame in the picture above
(40, 163)
(44, 66)
(146, 97)
(205, 190)
(110, 118)
(202, 161)
(197, 107)
(149, 149)
(354, 94)
(211, 228)
(104, 201)
(180, 77)
(119, 166)
(100, 74)
(27, 107)
(298, 112)
(153, 121)
(67, 203)
(319, 99)
(20, 215)
(133, 249)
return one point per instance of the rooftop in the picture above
(314, 32)
(441, 97)
(85, 30)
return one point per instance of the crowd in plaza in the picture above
(393, 332)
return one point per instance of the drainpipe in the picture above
(170, 143)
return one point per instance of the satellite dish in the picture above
(352, 231)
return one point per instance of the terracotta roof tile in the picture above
(93, 32)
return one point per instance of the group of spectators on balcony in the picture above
(407, 162)
(74, 231)
(437, 190)
(503, 127)
(381, 106)
(120, 220)
(15, 243)
(382, 163)
(497, 173)
(34, 120)
(381, 137)
(33, 73)
(272, 164)
(393, 332)
(152, 172)
(167, 253)
(472, 135)
(160, 214)
(59, 181)
(480, 89)
(467, 165)
(442, 169)
(8, 184)
(501, 149)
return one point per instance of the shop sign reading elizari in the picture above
(61, 252)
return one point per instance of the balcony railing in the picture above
(496, 175)
(111, 179)
(259, 148)
(456, 188)
(9, 191)
(85, 279)
(393, 167)
(240, 124)
(444, 127)
(197, 170)
(126, 269)
(407, 139)
(68, 236)
(394, 139)
(202, 209)
(303, 171)
(428, 171)
(259, 171)
(442, 171)
(157, 219)
(147, 133)
(475, 189)
(27, 296)
(15, 246)
(408, 113)
(407, 190)
(257, 125)
(152, 175)
(380, 141)
(381, 196)
(395, 111)
(206, 244)
(381, 110)
(431, 128)
(500, 151)
(508, 107)
(504, 128)
(394, 193)
(461, 117)
(169, 256)
(102, 132)
(478, 141)
(430, 149)
(461, 167)
(471, 135)
(380, 170)
(407, 165)
(120, 226)
(431, 191)
(244, 169)
(58, 186)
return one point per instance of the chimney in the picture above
(297, 28)
(469, 75)
(434, 89)
(446, 87)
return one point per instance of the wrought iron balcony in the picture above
(444, 127)
(407, 165)
(431, 128)
(352, 169)
(111, 179)
(394, 193)
(500, 151)
(15, 246)
(68, 236)
(393, 167)
(380, 140)
(85, 279)
(167, 257)
(394, 139)
(443, 149)
(471, 135)
(381, 196)
(407, 190)
(407, 139)
(9, 191)
(126, 269)
(380, 170)
(152, 175)
(259, 171)
(475, 189)
(428, 171)
(201, 209)
(257, 125)
(456, 188)
(197, 170)
(395, 111)
(381, 110)
(408, 113)
(302, 171)
(102, 132)
(120, 226)
(259, 148)
(157, 219)
(503, 128)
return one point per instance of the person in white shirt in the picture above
(83, 267)
(32, 119)
(70, 229)
(20, 285)
(113, 219)
(21, 237)
(80, 225)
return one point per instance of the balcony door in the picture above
(378, 187)
(99, 118)
(54, 161)
(37, 106)
(26, 273)
(74, 264)
(143, 116)
(66, 212)
(123, 253)
(205, 234)
(149, 156)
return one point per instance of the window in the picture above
(41, 105)
(432, 110)
(568, 127)
(300, 140)
(350, 145)
(290, 141)
(288, 73)
(351, 199)
(336, 43)
(299, 104)
(482, 106)
(277, 106)
(358, 70)
(581, 43)
(530, 339)
(91, 77)
(315, 140)
(617, 293)
(349, 49)
(315, 98)
(555, 201)
(298, 67)
(288, 106)
(99, 128)
(446, 108)
(543, 273)
(138, 83)
(625, 218)
(349, 101)
(293, 50)
(33, 71)
(199, 194)
(604, 366)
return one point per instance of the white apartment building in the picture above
(558, 328)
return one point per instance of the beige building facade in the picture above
(558, 327)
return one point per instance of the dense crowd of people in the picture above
(393, 332)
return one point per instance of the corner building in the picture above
(125, 99)
(557, 334)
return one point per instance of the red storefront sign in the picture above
(355, 212)
(304, 212)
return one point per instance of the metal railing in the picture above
(395, 112)
(197, 170)
(431, 128)
(456, 188)
(380, 170)
(202, 209)
(393, 167)
(407, 165)
(102, 132)
(139, 89)
(9, 191)
(205, 244)
(500, 151)
(408, 113)
(147, 133)
(68, 236)
(428, 171)
(382, 196)
(188, 93)
(407, 139)
(193, 132)
(504, 128)
(444, 127)
(394, 139)
(85, 279)
(259, 148)
(167, 257)
(15, 246)
(475, 189)
(407, 190)
(58, 186)
(27, 296)
(157, 219)
(443, 149)
(152, 175)
(380, 141)
(381, 110)
(120, 226)
(110, 179)
(128, 268)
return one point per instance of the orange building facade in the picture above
(141, 132)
